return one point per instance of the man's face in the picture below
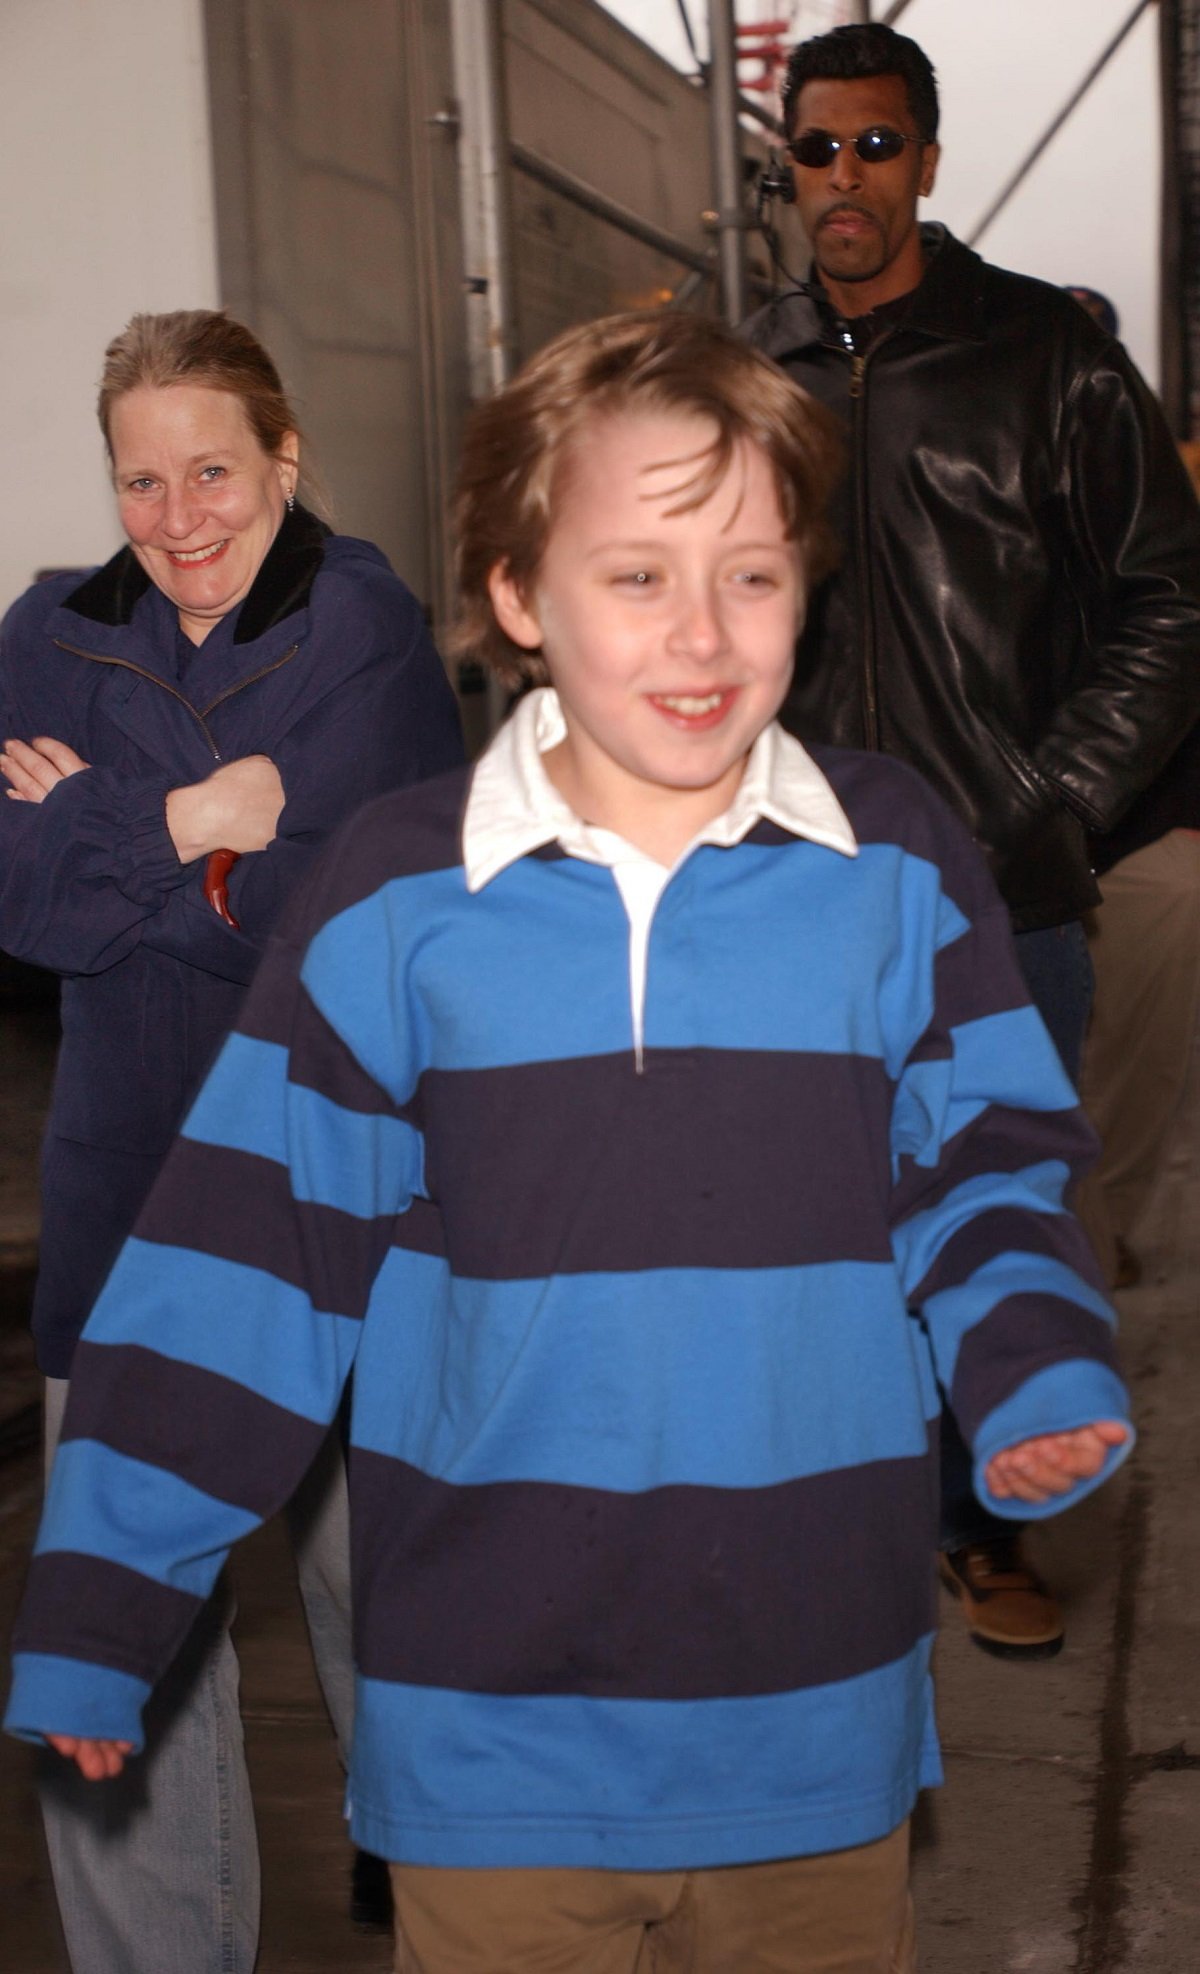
(862, 218)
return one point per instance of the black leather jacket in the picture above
(1018, 608)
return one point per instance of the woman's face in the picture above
(199, 498)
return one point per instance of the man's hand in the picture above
(98, 1760)
(1037, 1469)
(33, 768)
(236, 808)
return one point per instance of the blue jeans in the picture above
(156, 1872)
(1058, 974)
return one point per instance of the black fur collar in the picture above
(281, 586)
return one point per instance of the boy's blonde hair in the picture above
(517, 444)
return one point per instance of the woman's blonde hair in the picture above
(517, 444)
(198, 346)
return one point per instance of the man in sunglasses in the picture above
(1017, 612)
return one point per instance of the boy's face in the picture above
(669, 637)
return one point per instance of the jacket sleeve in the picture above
(91, 872)
(987, 1135)
(213, 1363)
(1134, 526)
(82, 871)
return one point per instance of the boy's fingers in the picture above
(1028, 1470)
(1033, 1486)
(1066, 1447)
(96, 1760)
(1008, 1478)
(1038, 1469)
(1084, 1452)
(1024, 1491)
(1111, 1431)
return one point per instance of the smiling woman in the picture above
(236, 680)
(205, 456)
(200, 499)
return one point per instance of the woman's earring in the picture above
(291, 502)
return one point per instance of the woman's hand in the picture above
(98, 1760)
(236, 808)
(1037, 1469)
(33, 768)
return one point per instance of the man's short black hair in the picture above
(852, 54)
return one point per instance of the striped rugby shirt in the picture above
(644, 1327)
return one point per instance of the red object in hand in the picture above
(216, 871)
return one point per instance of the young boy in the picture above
(645, 1117)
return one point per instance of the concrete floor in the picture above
(1066, 1839)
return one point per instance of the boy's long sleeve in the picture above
(214, 1361)
(987, 1139)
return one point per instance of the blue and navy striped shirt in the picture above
(646, 1348)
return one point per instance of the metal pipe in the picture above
(894, 12)
(859, 12)
(1177, 247)
(689, 36)
(483, 150)
(747, 107)
(485, 195)
(727, 158)
(1073, 101)
(599, 203)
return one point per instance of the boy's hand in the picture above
(98, 1760)
(1037, 1469)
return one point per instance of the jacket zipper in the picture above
(126, 665)
(870, 657)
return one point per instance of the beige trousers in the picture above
(844, 1912)
(1145, 946)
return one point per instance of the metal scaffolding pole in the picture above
(727, 158)
(484, 176)
(1179, 308)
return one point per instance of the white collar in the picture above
(514, 808)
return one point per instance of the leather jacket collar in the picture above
(948, 304)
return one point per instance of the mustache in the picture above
(847, 206)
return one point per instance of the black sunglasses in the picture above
(817, 148)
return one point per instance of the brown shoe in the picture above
(1008, 1609)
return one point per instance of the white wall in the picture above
(104, 159)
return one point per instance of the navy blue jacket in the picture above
(328, 668)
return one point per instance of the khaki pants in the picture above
(1145, 944)
(844, 1912)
